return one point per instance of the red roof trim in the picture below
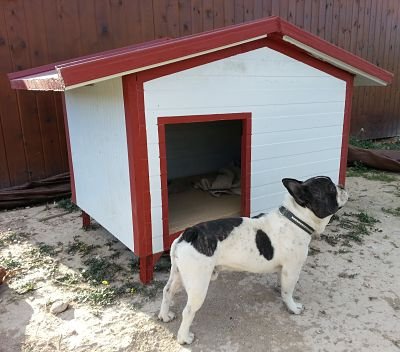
(113, 62)
(171, 50)
(82, 59)
(334, 51)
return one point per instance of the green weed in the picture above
(67, 205)
(9, 263)
(99, 269)
(78, 246)
(46, 249)
(68, 279)
(375, 144)
(102, 296)
(355, 227)
(25, 288)
(360, 170)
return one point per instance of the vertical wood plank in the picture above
(267, 8)
(30, 137)
(4, 174)
(229, 12)
(132, 21)
(248, 8)
(105, 38)
(299, 13)
(239, 11)
(197, 16)
(219, 19)
(275, 8)
(87, 26)
(147, 20)
(335, 22)
(8, 111)
(185, 18)
(258, 9)
(328, 20)
(47, 118)
(208, 15)
(284, 9)
(291, 14)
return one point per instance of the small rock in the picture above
(58, 307)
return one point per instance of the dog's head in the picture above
(319, 194)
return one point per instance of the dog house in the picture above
(173, 132)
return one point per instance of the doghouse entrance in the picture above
(204, 169)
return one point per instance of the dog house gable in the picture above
(297, 117)
(290, 90)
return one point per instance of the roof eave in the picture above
(365, 72)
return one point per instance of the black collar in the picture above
(295, 220)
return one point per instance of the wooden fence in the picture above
(36, 32)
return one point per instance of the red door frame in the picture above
(245, 162)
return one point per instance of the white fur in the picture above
(239, 252)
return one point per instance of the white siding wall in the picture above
(96, 121)
(297, 119)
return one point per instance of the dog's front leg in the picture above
(289, 277)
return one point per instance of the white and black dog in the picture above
(275, 242)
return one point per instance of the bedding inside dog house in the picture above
(260, 101)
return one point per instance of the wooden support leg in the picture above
(146, 269)
(85, 220)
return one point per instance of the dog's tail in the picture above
(172, 254)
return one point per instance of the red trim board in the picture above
(346, 131)
(245, 161)
(138, 165)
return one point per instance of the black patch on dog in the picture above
(317, 194)
(205, 236)
(264, 245)
(258, 216)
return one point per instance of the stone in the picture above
(58, 307)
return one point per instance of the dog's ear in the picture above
(297, 190)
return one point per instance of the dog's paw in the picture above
(167, 317)
(186, 339)
(297, 309)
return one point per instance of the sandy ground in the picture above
(351, 290)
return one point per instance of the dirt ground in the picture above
(350, 287)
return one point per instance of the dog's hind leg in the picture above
(172, 286)
(196, 281)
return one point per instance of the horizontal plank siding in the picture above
(296, 125)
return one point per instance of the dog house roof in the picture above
(108, 64)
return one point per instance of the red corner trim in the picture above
(245, 163)
(70, 164)
(138, 165)
(346, 132)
